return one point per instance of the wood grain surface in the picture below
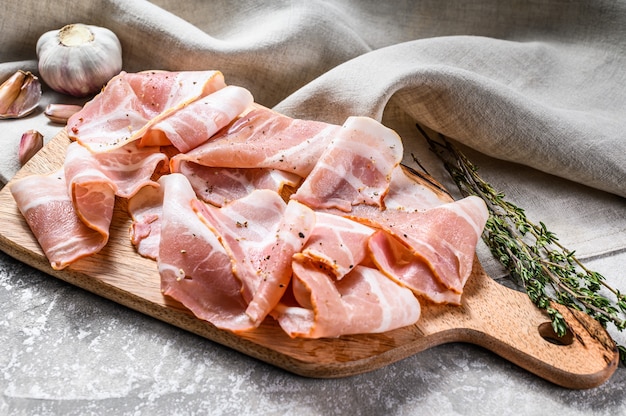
(497, 318)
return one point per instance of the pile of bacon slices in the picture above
(352, 248)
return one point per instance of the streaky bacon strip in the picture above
(132, 101)
(355, 168)
(196, 122)
(218, 186)
(263, 138)
(195, 268)
(90, 190)
(290, 236)
(146, 209)
(165, 91)
(49, 211)
(355, 243)
(400, 262)
(337, 244)
(261, 233)
(127, 169)
(364, 301)
(444, 236)
(407, 194)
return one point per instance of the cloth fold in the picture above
(507, 99)
(535, 92)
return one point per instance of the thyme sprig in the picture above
(532, 254)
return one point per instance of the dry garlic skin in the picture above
(19, 95)
(79, 59)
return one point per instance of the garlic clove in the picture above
(60, 113)
(31, 143)
(79, 59)
(19, 95)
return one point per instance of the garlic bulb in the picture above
(79, 59)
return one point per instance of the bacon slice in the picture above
(263, 138)
(195, 268)
(146, 209)
(219, 186)
(402, 264)
(444, 237)
(364, 301)
(126, 169)
(92, 193)
(49, 211)
(355, 168)
(131, 101)
(261, 233)
(337, 243)
(406, 194)
(196, 122)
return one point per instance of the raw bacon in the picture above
(146, 209)
(126, 169)
(196, 122)
(400, 262)
(195, 268)
(129, 103)
(406, 194)
(364, 301)
(218, 186)
(442, 240)
(255, 214)
(263, 138)
(355, 168)
(49, 211)
(337, 244)
(261, 233)
(90, 190)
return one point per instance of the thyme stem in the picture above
(532, 254)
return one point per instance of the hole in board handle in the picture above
(547, 332)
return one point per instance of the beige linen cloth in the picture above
(535, 91)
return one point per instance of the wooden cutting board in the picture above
(499, 319)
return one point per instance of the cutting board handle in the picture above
(507, 323)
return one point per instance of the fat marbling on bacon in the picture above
(364, 301)
(355, 249)
(194, 266)
(103, 163)
(131, 103)
(355, 168)
(219, 186)
(263, 138)
(262, 233)
(48, 208)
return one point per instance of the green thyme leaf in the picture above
(532, 254)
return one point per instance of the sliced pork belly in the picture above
(400, 262)
(130, 101)
(218, 186)
(445, 237)
(405, 193)
(195, 268)
(263, 138)
(261, 233)
(146, 209)
(49, 211)
(196, 122)
(163, 91)
(127, 168)
(356, 167)
(338, 244)
(92, 193)
(364, 301)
